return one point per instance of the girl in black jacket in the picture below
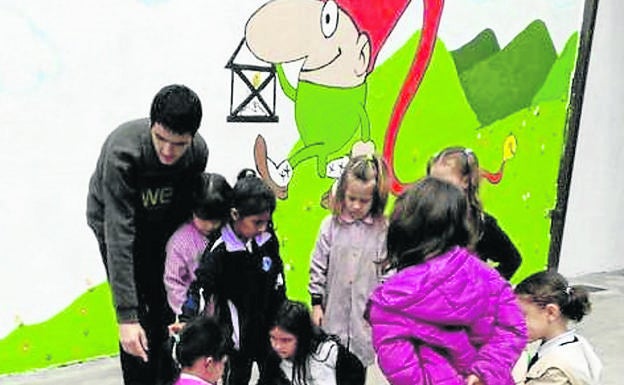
(460, 166)
(244, 275)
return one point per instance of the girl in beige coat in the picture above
(563, 357)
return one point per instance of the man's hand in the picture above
(317, 315)
(133, 339)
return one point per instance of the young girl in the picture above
(460, 166)
(244, 272)
(201, 353)
(304, 355)
(344, 267)
(211, 203)
(445, 317)
(564, 357)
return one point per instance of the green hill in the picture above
(85, 329)
(558, 81)
(438, 115)
(507, 81)
(478, 49)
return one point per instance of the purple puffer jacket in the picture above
(437, 322)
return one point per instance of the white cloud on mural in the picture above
(27, 59)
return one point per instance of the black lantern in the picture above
(253, 86)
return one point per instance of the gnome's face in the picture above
(335, 53)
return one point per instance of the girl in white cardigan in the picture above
(303, 354)
(563, 356)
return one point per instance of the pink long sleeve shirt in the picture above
(184, 250)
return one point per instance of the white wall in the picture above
(70, 74)
(593, 238)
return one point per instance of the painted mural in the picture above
(289, 87)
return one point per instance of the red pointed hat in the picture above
(375, 18)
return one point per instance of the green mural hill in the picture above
(557, 84)
(85, 329)
(508, 80)
(436, 116)
(425, 129)
(478, 49)
(439, 116)
(521, 202)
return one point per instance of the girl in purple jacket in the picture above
(445, 317)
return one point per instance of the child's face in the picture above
(358, 199)
(206, 226)
(538, 318)
(447, 170)
(284, 343)
(252, 225)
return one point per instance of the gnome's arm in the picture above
(289, 90)
(365, 125)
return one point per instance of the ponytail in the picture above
(548, 287)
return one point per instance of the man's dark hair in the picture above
(177, 108)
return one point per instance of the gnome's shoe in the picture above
(276, 177)
(336, 167)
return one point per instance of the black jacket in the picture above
(495, 245)
(251, 280)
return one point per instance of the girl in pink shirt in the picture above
(201, 353)
(185, 247)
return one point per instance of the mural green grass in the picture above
(439, 116)
(85, 329)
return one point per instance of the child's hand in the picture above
(317, 315)
(473, 380)
(175, 328)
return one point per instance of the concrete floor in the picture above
(602, 327)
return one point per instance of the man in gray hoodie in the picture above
(139, 194)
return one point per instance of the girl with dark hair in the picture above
(564, 357)
(445, 317)
(344, 267)
(211, 209)
(460, 166)
(201, 353)
(244, 272)
(302, 354)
